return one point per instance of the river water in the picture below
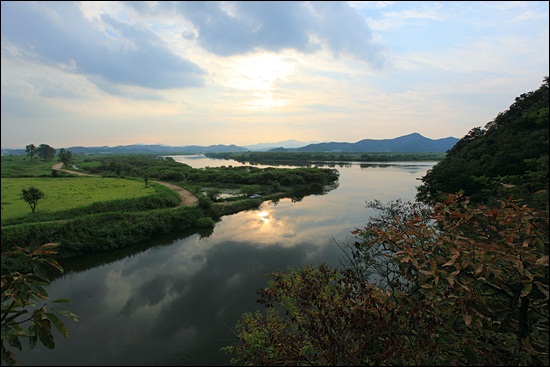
(175, 300)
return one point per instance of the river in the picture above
(175, 300)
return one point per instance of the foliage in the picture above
(30, 150)
(31, 196)
(21, 293)
(308, 158)
(65, 156)
(509, 156)
(101, 232)
(45, 152)
(455, 284)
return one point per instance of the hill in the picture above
(509, 156)
(412, 143)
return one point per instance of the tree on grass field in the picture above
(46, 152)
(21, 295)
(30, 150)
(449, 285)
(31, 196)
(65, 156)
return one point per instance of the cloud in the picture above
(237, 28)
(129, 54)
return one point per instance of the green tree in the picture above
(213, 194)
(506, 157)
(45, 152)
(141, 173)
(65, 156)
(31, 196)
(21, 295)
(145, 176)
(30, 150)
(451, 285)
(116, 167)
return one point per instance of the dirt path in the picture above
(186, 197)
(59, 167)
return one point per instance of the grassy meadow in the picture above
(67, 193)
(21, 166)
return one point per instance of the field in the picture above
(67, 193)
(21, 166)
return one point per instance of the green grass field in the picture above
(67, 193)
(19, 166)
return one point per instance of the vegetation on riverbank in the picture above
(312, 159)
(124, 210)
(449, 280)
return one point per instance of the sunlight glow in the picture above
(260, 75)
(264, 217)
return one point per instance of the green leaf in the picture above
(58, 324)
(13, 341)
(527, 288)
(45, 333)
(62, 300)
(66, 313)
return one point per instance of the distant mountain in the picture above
(280, 144)
(145, 149)
(414, 143)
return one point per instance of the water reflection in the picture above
(174, 300)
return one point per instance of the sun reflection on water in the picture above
(264, 216)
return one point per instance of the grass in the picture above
(21, 166)
(67, 193)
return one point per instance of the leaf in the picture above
(527, 288)
(66, 313)
(467, 319)
(13, 341)
(540, 286)
(542, 261)
(62, 300)
(451, 261)
(58, 324)
(45, 333)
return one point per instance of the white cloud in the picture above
(201, 73)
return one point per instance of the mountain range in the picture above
(412, 143)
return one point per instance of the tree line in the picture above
(47, 153)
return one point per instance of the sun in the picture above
(260, 76)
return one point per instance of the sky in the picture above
(204, 73)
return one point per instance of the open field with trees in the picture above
(67, 193)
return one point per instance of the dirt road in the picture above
(186, 197)
(59, 167)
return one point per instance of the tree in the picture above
(116, 167)
(213, 194)
(145, 176)
(65, 156)
(20, 294)
(46, 152)
(506, 157)
(31, 150)
(31, 196)
(455, 284)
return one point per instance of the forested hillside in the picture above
(509, 156)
